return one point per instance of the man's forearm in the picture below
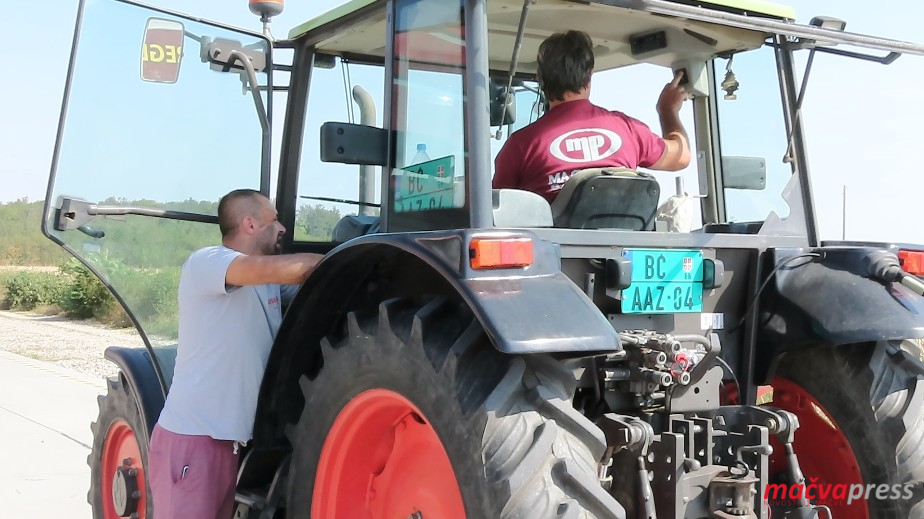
(676, 155)
(670, 124)
(294, 268)
(289, 269)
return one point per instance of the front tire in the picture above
(514, 447)
(119, 459)
(861, 411)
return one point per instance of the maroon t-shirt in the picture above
(573, 136)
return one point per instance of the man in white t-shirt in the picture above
(230, 311)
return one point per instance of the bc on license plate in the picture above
(664, 282)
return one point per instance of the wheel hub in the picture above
(125, 493)
(382, 458)
(121, 476)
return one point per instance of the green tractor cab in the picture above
(647, 345)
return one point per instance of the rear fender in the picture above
(524, 310)
(831, 299)
(137, 368)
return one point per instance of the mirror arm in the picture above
(261, 114)
(797, 113)
(884, 60)
(74, 213)
(169, 214)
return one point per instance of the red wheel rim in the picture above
(120, 445)
(382, 459)
(825, 455)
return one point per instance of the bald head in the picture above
(233, 207)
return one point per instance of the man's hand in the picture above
(676, 155)
(673, 96)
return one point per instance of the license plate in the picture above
(664, 282)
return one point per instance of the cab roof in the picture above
(749, 7)
(693, 29)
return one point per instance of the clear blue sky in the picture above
(863, 119)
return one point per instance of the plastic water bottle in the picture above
(421, 155)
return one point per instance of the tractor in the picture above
(632, 350)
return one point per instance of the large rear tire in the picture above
(119, 459)
(512, 444)
(861, 411)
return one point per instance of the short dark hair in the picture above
(228, 215)
(565, 63)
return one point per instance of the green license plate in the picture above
(664, 282)
(426, 186)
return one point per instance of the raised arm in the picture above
(676, 154)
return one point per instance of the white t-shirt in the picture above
(225, 337)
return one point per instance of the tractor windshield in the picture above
(155, 130)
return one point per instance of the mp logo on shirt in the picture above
(585, 145)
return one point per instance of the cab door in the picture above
(160, 118)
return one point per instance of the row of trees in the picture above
(135, 240)
(21, 239)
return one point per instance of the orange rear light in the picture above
(912, 261)
(499, 253)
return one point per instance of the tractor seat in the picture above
(607, 198)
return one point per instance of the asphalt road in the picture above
(45, 415)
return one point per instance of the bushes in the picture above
(27, 290)
(82, 295)
(150, 293)
(152, 296)
(73, 288)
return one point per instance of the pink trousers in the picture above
(191, 476)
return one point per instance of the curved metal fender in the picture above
(842, 303)
(138, 369)
(524, 310)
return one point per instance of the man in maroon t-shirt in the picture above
(575, 134)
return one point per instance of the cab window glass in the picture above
(428, 180)
(327, 191)
(752, 128)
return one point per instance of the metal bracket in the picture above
(218, 53)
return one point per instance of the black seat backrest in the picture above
(607, 198)
(354, 226)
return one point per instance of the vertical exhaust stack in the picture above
(266, 9)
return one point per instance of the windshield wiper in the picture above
(514, 61)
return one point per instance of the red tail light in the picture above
(912, 261)
(498, 253)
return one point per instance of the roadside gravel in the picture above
(78, 345)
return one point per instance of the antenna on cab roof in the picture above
(266, 9)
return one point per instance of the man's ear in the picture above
(248, 224)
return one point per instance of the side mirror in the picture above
(744, 173)
(347, 143)
(500, 99)
(161, 50)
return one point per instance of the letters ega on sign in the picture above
(664, 282)
(162, 50)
